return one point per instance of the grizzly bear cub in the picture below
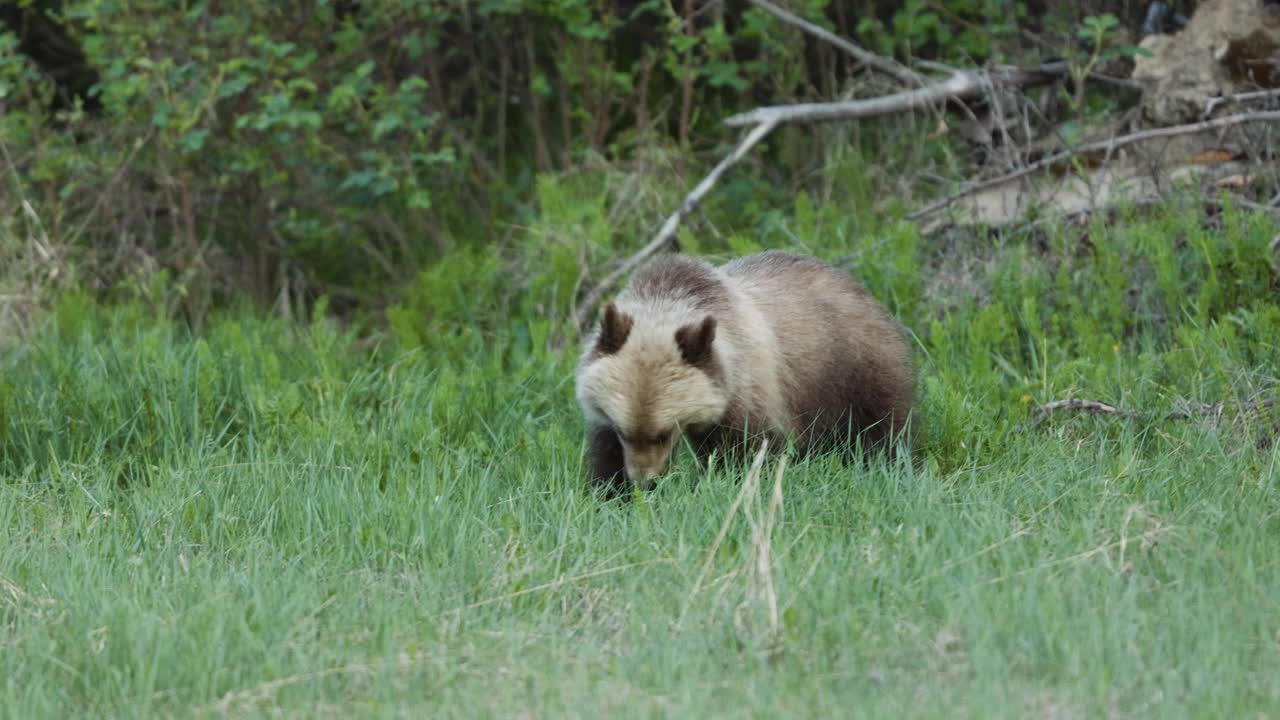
(777, 344)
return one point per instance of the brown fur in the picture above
(680, 276)
(793, 347)
(846, 362)
(607, 463)
(694, 342)
(614, 329)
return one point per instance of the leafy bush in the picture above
(240, 143)
(340, 147)
(958, 30)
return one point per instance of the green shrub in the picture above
(337, 151)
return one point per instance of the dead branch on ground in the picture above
(1109, 146)
(1238, 98)
(667, 233)
(963, 85)
(1094, 407)
(1191, 411)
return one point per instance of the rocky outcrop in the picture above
(1227, 47)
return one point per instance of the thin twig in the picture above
(1150, 535)
(1091, 406)
(1190, 412)
(1214, 102)
(1104, 145)
(1250, 205)
(666, 234)
(115, 178)
(960, 86)
(554, 584)
(888, 66)
(39, 236)
(264, 691)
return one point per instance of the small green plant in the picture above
(961, 31)
(1095, 33)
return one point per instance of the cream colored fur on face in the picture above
(648, 393)
(648, 372)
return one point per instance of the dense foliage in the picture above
(305, 148)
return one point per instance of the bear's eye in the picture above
(662, 438)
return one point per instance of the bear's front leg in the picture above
(608, 464)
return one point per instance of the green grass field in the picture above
(260, 520)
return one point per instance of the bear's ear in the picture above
(614, 329)
(694, 341)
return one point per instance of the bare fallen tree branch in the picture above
(1108, 146)
(1252, 408)
(1091, 406)
(885, 65)
(1214, 102)
(666, 234)
(960, 86)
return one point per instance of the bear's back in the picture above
(842, 356)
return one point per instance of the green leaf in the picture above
(420, 200)
(389, 122)
(160, 118)
(193, 140)
(302, 84)
(539, 84)
(413, 46)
